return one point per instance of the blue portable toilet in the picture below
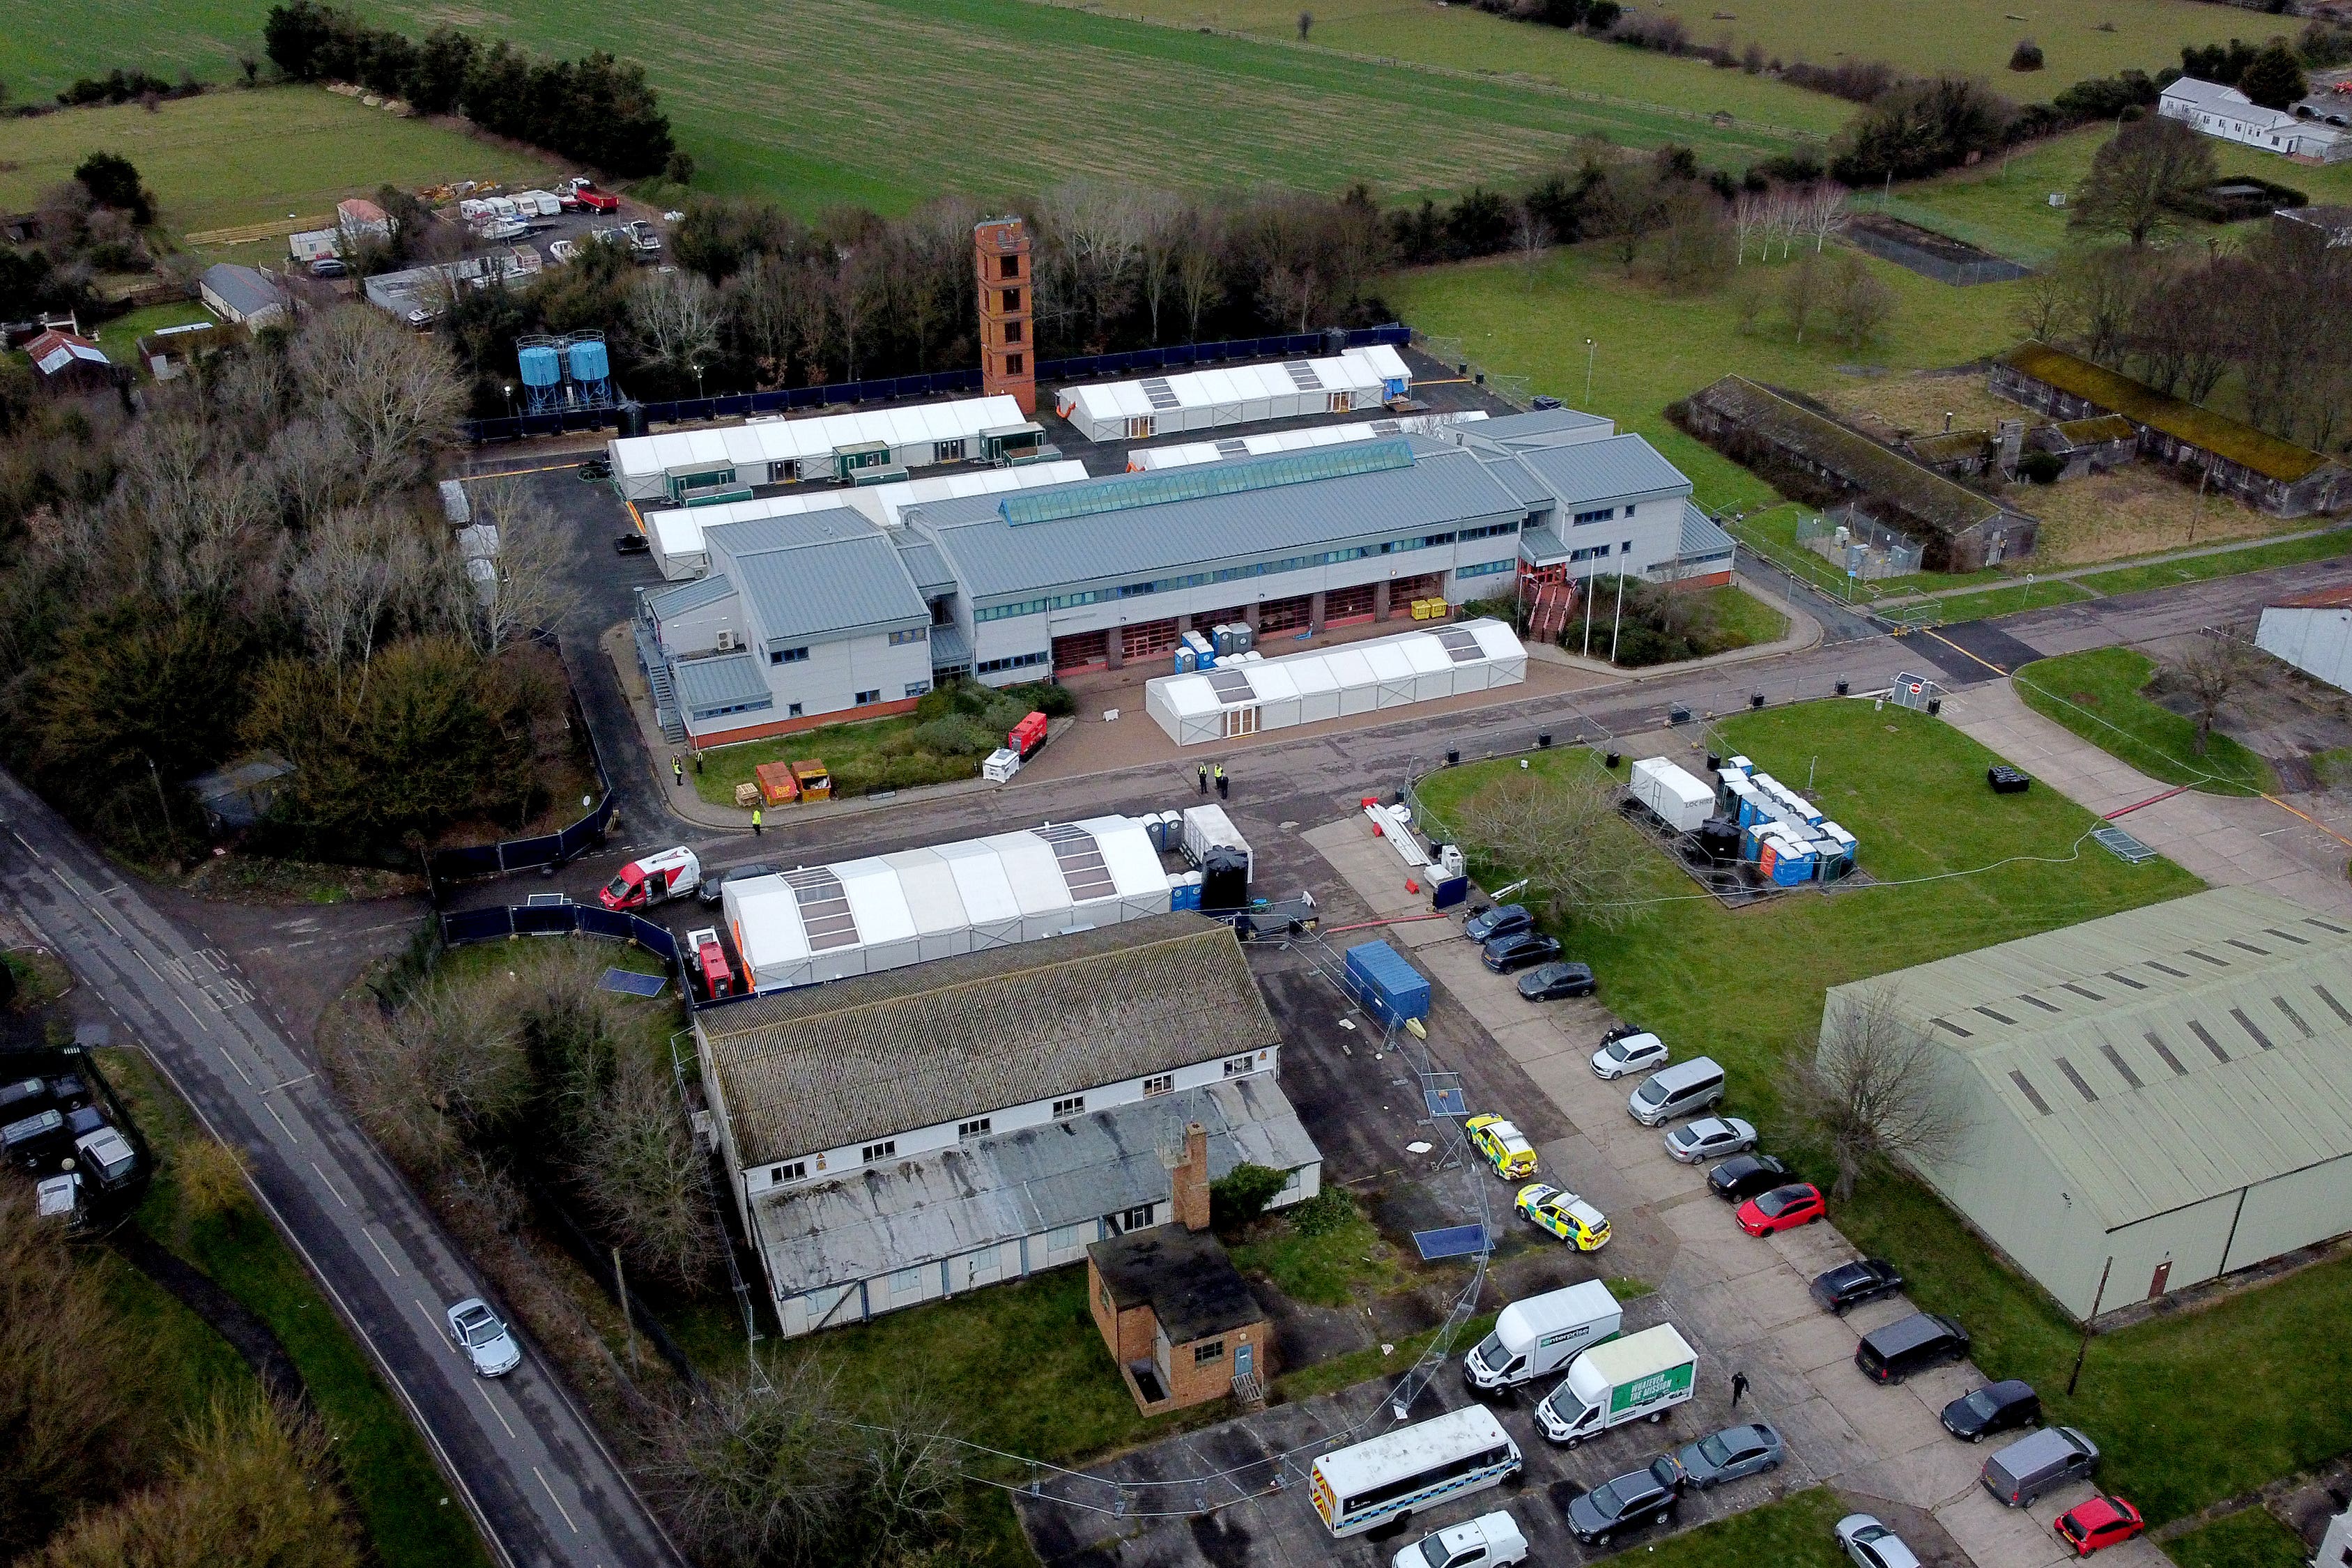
(1184, 661)
(1391, 989)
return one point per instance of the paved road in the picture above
(539, 1481)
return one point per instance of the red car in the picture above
(2100, 1522)
(596, 200)
(1783, 1208)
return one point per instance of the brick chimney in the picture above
(1190, 1180)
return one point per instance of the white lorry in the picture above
(1679, 800)
(1539, 1334)
(1207, 827)
(1643, 1374)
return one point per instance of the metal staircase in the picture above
(666, 709)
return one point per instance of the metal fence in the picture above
(933, 384)
(556, 918)
(1859, 545)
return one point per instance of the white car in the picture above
(1710, 1138)
(1630, 1053)
(1872, 1545)
(1490, 1540)
(483, 1338)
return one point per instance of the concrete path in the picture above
(2229, 840)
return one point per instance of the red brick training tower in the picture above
(1008, 362)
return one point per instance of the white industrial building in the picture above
(1243, 698)
(676, 534)
(898, 1138)
(860, 917)
(2158, 1098)
(2312, 632)
(677, 465)
(1185, 454)
(2225, 112)
(1235, 395)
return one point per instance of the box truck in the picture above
(1680, 801)
(1207, 827)
(1643, 1374)
(1539, 1335)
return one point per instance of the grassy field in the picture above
(2097, 694)
(851, 753)
(230, 160)
(2004, 601)
(2226, 563)
(2249, 1538)
(1795, 1532)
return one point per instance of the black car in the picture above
(1625, 1502)
(1503, 919)
(714, 888)
(1623, 1031)
(1504, 954)
(1550, 982)
(1850, 1285)
(1996, 1407)
(630, 544)
(596, 468)
(1743, 1176)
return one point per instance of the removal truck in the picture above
(1539, 1334)
(1643, 1374)
(1680, 801)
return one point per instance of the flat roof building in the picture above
(2312, 632)
(241, 296)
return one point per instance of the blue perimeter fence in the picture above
(935, 383)
(461, 926)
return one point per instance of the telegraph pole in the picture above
(2084, 1348)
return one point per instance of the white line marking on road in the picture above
(556, 1500)
(380, 1252)
(282, 1123)
(330, 1186)
(288, 1082)
(498, 1413)
(234, 1063)
(439, 1326)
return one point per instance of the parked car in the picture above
(1910, 1344)
(2038, 1463)
(1489, 1540)
(23, 1098)
(1783, 1208)
(1996, 1407)
(1564, 1215)
(1550, 982)
(1637, 1498)
(2101, 1522)
(1502, 920)
(631, 544)
(1849, 1285)
(1622, 1053)
(1708, 1137)
(1871, 1545)
(1506, 953)
(1502, 1145)
(483, 1338)
(329, 267)
(1683, 1088)
(1743, 1176)
(1731, 1454)
(714, 888)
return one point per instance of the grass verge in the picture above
(1798, 1532)
(2249, 1538)
(2098, 694)
(2223, 564)
(2005, 600)
(1344, 1260)
(855, 755)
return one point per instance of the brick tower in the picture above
(1008, 360)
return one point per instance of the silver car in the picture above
(1710, 1138)
(1730, 1454)
(483, 1338)
(1872, 1544)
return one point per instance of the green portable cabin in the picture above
(848, 462)
(1009, 445)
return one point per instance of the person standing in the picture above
(1738, 1388)
(1222, 791)
(755, 822)
(677, 771)
(1204, 778)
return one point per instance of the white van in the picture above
(1686, 1089)
(1539, 1334)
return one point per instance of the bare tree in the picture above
(1560, 831)
(755, 1474)
(1862, 303)
(642, 1174)
(1822, 214)
(2043, 309)
(2210, 674)
(676, 316)
(1199, 270)
(1690, 236)
(1749, 214)
(396, 393)
(1628, 203)
(1801, 293)
(1877, 1089)
(1532, 239)
(529, 590)
(1166, 226)
(2102, 289)
(1096, 231)
(2139, 175)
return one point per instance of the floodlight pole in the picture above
(1618, 624)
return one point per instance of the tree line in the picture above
(597, 109)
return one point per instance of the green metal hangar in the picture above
(2160, 1097)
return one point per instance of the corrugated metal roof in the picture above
(1602, 470)
(1541, 547)
(1540, 428)
(816, 574)
(691, 595)
(2159, 1056)
(925, 564)
(720, 681)
(949, 647)
(243, 289)
(1701, 538)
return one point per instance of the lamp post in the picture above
(509, 390)
(1589, 351)
(697, 379)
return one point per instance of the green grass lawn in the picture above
(2003, 601)
(2251, 1539)
(2097, 694)
(120, 337)
(1347, 1264)
(2226, 564)
(1798, 1532)
(230, 159)
(401, 1495)
(1741, 619)
(851, 753)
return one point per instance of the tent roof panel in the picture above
(1032, 871)
(983, 880)
(877, 898)
(932, 890)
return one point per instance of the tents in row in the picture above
(775, 451)
(1244, 698)
(1185, 454)
(1235, 395)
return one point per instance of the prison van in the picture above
(1431, 1462)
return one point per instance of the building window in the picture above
(884, 1149)
(794, 711)
(1629, 507)
(917, 688)
(1237, 1066)
(1208, 1350)
(788, 656)
(906, 1282)
(1626, 547)
(1160, 1085)
(866, 698)
(792, 1172)
(1011, 298)
(1074, 1105)
(1013, 364)
(1012, 332)
(1137, 1219)
(975, 1128)
(948, 452)
(913, 634)
(1018, 661)
(1102, 1294)
(1008, 267)
(1601, 514)
(1597, 553)
(1484, 568)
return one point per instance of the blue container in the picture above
(589, 362)
(1391, 989)
(540, 366)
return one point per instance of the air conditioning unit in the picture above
(727, 642)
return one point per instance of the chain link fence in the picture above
(1859, 545)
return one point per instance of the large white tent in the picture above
(1244, 698)
(771, 451)
(1235, 395)
(676, 533)
(1266, 444)
(857, 916)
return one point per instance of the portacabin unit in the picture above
(1389, 989)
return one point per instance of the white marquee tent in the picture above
(770, 451)
(1267, 444)
(1244, 698)
(676, 533)
(857, 916)
(1235, 395)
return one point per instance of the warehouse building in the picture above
(902, 1137)
(2312, 632)
(2158, 1098)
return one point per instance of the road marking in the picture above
(509, 1426)
(288, 1082)
(380, 1252)
(331, 1187)
(556, 1500)
(234, 1063)
(438, 1327)
(283, 1128)
(1958, 648)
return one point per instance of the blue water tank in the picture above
(540, 366)
(589, 362)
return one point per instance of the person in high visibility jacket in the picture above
(755, 822)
